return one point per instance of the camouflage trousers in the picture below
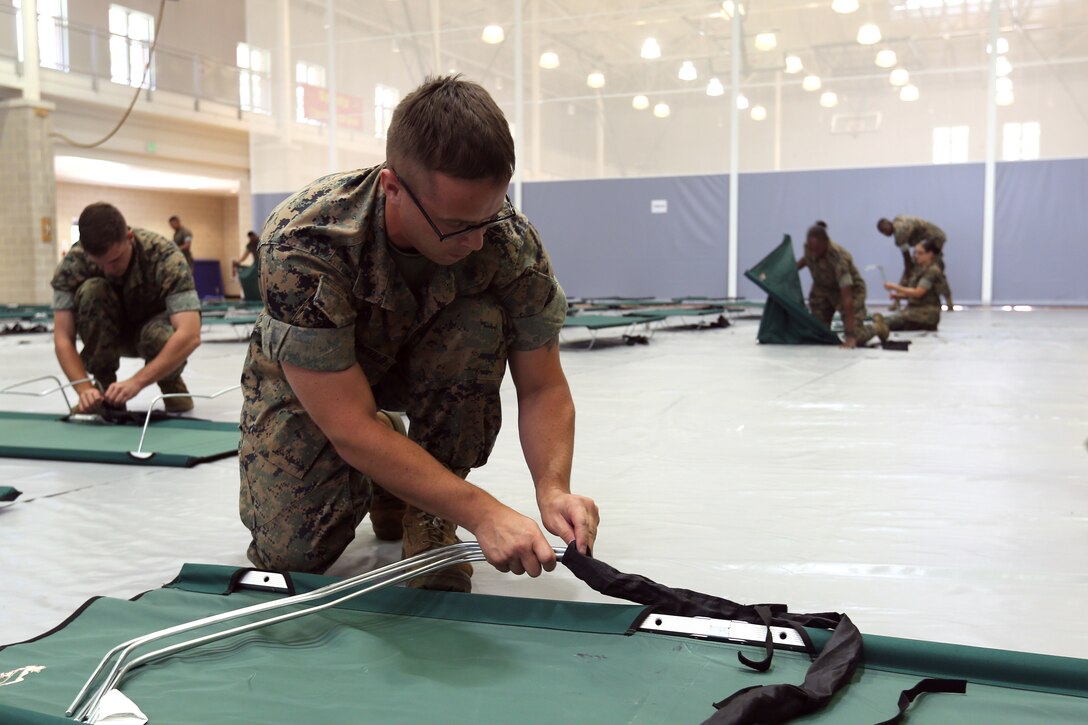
(824, 304)
(108, 335)
(914, 318)
(446, 378)
(915, 272)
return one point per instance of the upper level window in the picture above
(950, 144)
(131, 34)
(311, 101)
(1020, 141)
(52, 33)
(386, 99)
(253, 79)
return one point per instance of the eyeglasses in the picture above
(505, 214)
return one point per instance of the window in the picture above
(1020, 141)
(253, 64)
(385, 100)
(950, 144)
(52, 33)
(310, 105)
(131, 34)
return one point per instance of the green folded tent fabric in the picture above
(786, 320)
(250, 279)
(7, 493)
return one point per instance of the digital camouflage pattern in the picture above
(333, 298)
(830, 273)
(182, 235)
(911, 231)
(130, 316)
(923, 313)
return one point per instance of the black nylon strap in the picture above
(764, 664)
(934, 685)
(764, 704)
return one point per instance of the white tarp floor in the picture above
(939, 494)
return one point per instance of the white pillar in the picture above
(330, 20)
(778, 121)
(991, 160)
(734, 150)
(519, 105)
(32, 76)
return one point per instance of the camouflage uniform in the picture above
(830, 273)
(333, 298)
(181, 235)
(923, 313)
(130, 316)
(909, 232)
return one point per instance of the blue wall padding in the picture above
(1041, 232)
(604, 240)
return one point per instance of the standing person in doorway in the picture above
(837, 286)
(408, 286)
(183, 238)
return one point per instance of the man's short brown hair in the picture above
(100, 227)
(453, 126)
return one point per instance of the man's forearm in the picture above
(546, 428)
(71, 363)
(177, 348)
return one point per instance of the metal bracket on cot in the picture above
(722, 630)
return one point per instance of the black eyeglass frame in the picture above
(443, 237)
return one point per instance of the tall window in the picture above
(253, 64)
(311, 106)
(385, 100)
(131, 33)
(950, 144)
(1020, 141)
(52, 32)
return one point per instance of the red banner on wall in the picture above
(315, 104)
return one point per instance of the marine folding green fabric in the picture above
(7, 493)
(180, 442)
(417, 656)
(786, 320)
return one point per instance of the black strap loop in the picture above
(934, 685)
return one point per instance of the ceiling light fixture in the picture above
(1004, 85)
(766, 41)
(742, 102)
(493, 34)
(794, 64)
(715, 88)
(661, 110)
(1002, 47)
(1005, 99)
(886, 58)
(549, 60)
(844, 7)
(1004, 67)
(758, 113)
(595, 79)
(650, 49)
(729, 8)
(687, 71)
(869, 34)
(828, 99)
(811, 83)
(899, 77)
(909, 93)
(640, 103)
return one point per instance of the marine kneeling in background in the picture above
(127, 292)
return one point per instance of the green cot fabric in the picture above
(26, 312)
(250, 279)
(7, 493)
(786, 320)
(600, 322)
(417, 656)
(681, 312)
(231, 320)
(176, 442)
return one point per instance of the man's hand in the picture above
(850, 343)
(121, 392)
(571, 518)
(511, 542)
(89, 400)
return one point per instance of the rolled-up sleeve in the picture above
(534, 302)
(310, 318)
(187, 301)
(63, 300)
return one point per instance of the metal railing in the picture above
(86, 51)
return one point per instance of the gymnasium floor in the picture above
(938, 494)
